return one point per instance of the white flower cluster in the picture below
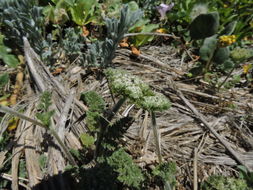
(136, 90)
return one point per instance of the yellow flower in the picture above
(227, 40)
(246, 68)
(161, 30)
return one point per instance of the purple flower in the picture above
(163, 9)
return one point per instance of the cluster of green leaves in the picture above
(4, 79)
(8, 59)
(43, 162)
(67, 44)
(246, 175)
(166, 172)
(22, 172)
(6, 165)
(96, 107)
(93, 117)
(101, 53)
(45, 114)
(223, 183)
(128, 173)
(210, 51)
(236, 10)
(22, 19)
(115, 171)
(5, 54)
(209, 33)
(114, 168)
(25, 19)
(223, 18)
(113, 135)
(143, 25)
(81, 12)
(112, 160)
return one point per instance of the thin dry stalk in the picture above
(195, 169)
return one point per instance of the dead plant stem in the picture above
(156, 137)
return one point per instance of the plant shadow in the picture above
(98, 177)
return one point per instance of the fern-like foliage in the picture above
(102, 53)
(224, 183)
(128, 173)
(22, 19)
(114, 133)
(166, 172)
(45, 114)
(94, 101)
(96, 106)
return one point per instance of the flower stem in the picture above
(103, 129)
(156, 137)
(227, 77)
(116, 108)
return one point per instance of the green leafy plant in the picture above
(237, 55)
(57, 13)
(96, 106)
(113, 135)
(83, 12)
(127, 172)
(5, 55)
(22, 19)
(4, 79)
(166, 172)
(246, 175)
(94, 101)
(87, 140)
(80, 12)
(142, 26)
(210, 51)
(45, 115)
(238, 11)
(102, 53)
(8, 59)
(214, 51)
(199, 28)
(43, 162)
(66, 45)
(229, 18)
(224, 183)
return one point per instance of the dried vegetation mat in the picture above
(201, 132)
